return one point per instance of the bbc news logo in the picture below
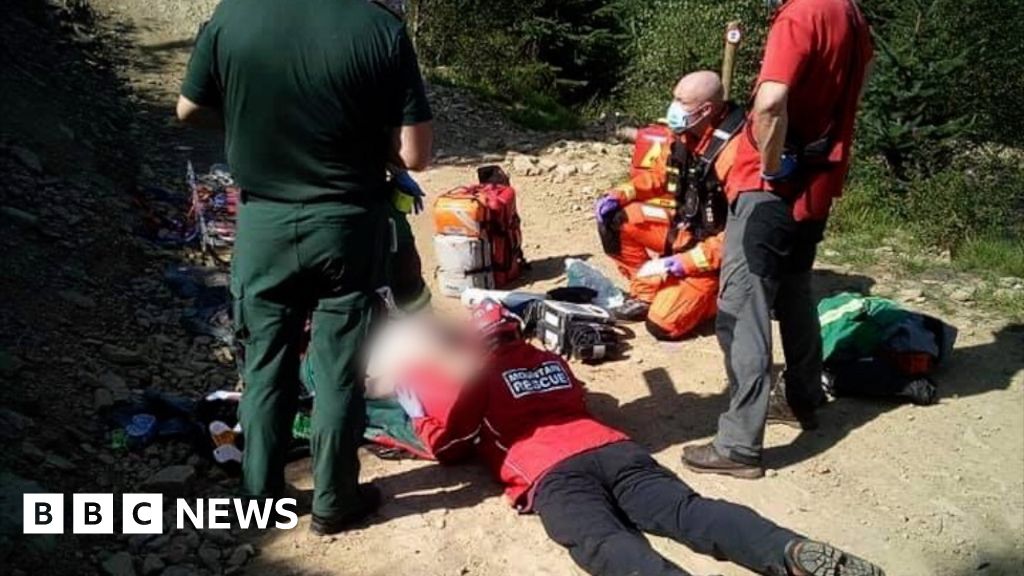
(144, 513)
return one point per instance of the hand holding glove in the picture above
(409, 402)
(787, 167)
(606, 206)
(669, 266)
(405, 183)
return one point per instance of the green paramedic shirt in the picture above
(311, 92)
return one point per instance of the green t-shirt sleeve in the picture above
(415, 107)
(200, 84)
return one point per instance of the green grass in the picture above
(992, 256)
(863, 222)
(529, 110)
(538, 112)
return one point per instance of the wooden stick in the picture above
(733, 35)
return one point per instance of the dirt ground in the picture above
(933, 491)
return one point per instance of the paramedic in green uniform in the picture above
(317, 98)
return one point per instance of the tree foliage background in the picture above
(945, 99)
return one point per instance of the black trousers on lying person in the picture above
(599, 503)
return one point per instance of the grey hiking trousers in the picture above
(766, 267)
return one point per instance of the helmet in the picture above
(492, 320)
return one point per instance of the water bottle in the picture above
(140, 431)
(582, 274)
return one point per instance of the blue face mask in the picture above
(773, 4)
(679, 118)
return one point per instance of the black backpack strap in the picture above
(723, 133)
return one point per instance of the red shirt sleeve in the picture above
(789, 46)
(452, 419)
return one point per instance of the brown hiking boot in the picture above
(704, 459)
(810, 558)
(779, 412)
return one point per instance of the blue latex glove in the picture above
(606, 206)
(409, 402)
(408, 186)
(674, 267)
(787, 167)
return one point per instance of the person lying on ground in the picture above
(522, 411)
(664, 227)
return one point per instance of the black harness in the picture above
(700, 198)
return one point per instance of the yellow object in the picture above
(403, 202)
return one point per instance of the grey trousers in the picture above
(767, 266)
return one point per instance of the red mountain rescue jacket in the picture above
(524, 415)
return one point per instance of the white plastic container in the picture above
(455, 283)
(462, 263)
(461, 253)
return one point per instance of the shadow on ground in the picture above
(427, 487)
(544, 269)
(663, 419)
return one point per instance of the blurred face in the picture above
(410, 342)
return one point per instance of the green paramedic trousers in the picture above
(295, 262)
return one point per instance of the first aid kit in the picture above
(478, 239)
(582, 331)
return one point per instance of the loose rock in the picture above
(119, 564)
(32, 452)
(58, 462)
(119, 355)
(28, 158)
(962, 294)
(525, 165)
(172, 479)
(566, 170)
(102, 399)
(210, 557)
(153, 564)
(912, 294)
(241, 555)
(13, 425)
(78, 299)
(20, 216)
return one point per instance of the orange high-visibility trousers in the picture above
(643, 229)
(678, 306)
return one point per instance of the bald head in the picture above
(697, 88)
(697, 99)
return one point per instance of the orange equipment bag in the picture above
(649, 170)
(486, 210)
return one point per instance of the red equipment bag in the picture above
(486, 210)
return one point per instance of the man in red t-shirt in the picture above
(791, 163)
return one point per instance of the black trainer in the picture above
(369, 502)
(632, 310)
(811, 558)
